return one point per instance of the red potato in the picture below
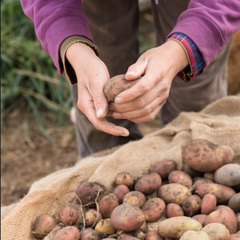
(127, 217)
(234, 237)
(222, 193)
(209, 202)
(151, 235)
(107, 204)
(124, 178)
(234, 202)
(238, 221)
(180, 177)
(68, 233)
(89, 192)
(69, 215)
(126, 237)
(43, 225)
(174, 210)
(200, 218)
(120, 191)
(205, 156)
(92, 217)
(198, 181)
(163, 168)
(225, 216)
(153, 209)
(135, 197)
(191, 205)
(148, 183)
(89, 234)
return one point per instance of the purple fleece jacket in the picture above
(209, 23)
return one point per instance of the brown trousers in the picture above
(114, 26)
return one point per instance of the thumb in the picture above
(101, 105)
(136, 70)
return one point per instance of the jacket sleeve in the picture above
(210, 25)
(55, 21)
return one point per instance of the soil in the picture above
(26, 159)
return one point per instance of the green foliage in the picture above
(28, 75)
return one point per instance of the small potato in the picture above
(153, 209)
(107, 204)
(198, 181)
(163, 168)
(234, 202)
(209, 175)
(105, 226)
(124, 178)
(205, 156)
(120, 191)
(225, 216)
(196, 235)
(92, 217)
(135, 197)
(234, 237)
(175, 227)
(148, 183)
(69, 215)
(216, 231)
(127, 217)
(126, 237)
(222, 193)
(208, 204)
(200, 218)
(173, 193)
(174, 210)
(87, 192)
(89, 234)
(68, 233)
(191, 205)
(43, 225)
(138, 233)
(151, 235)
(228, 175)
(180, 177)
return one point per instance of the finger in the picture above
(136, 70)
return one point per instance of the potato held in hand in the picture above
(116, 85)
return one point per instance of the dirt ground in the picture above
(24, 161)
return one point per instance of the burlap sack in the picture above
(218, 123)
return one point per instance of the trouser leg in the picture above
(114, 26)
(206, 88)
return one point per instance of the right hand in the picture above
(92, 74)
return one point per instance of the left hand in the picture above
(143, 101)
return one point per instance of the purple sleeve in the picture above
(55, 21)
(210, 25)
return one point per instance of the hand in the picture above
(92, 74)
(143, 101)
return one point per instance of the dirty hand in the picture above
(143, 101)
(92, 74)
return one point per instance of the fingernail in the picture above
(99, 112)
(118, 100)
(117, 115)
(111, 107)
(130, 73)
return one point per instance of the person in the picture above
(91, 41)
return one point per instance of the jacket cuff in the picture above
(68, 71)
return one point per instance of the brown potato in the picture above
(216, 231)
(164, 167)
(200, 218)
(107, 204)
(180, 177)
(234, 202)
(174, 210)
(89, 234)
(209, 175)
(225, 216)
(153, 209)
(120, 191)
(148, 183)
(135, 197)
(191, 205)
(105, 226)
(43, 225)
(69, 215)
(151, 235)
(92, 217)
(208, 204)
(124, 178)
(205, 156)
(222, 193)
(173, 193)
(127, 217)
(68, 233)
(196, 235)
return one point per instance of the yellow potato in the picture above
(216, 231)
(105, 226)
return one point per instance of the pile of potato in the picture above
(200, 202)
